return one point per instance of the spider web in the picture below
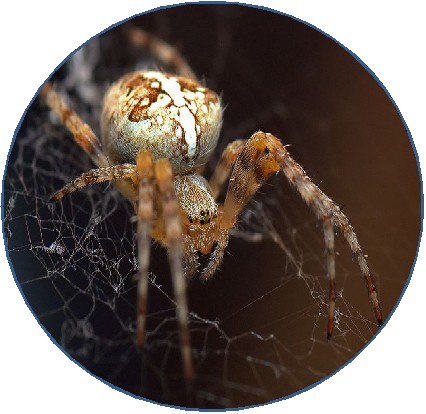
(258, 329)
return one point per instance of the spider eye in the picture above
(205, 216)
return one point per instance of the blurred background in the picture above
(259, 328)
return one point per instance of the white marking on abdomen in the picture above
(187, 122)
(186, 118)
(169, 85)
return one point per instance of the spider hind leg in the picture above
(165, 53)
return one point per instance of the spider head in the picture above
(198, 205)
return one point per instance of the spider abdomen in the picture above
(171, 116)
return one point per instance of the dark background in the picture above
(274, 74)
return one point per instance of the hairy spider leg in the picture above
(83, 134)
(251, 170)
(95, 176)
(142, 175)
(324, 207)
(328, 231)
(165, 53)
(174, 242)
(145, 216)
(224, 166)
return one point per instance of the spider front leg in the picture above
(224, 166)
(216, 183)
(145, 216)
(263, 155)
(251, 170)
(175, 246)
(325, 210)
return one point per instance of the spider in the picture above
(158, 130)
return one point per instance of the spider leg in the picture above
(174, 241)
(165, 53)
(97, 175)
(216, 257)
(324, 208)
(145, 215)
(190, 259)
(83, 134)
(331, 272)
(224, 166)
(251, 169)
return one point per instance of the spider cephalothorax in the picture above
(157, 132)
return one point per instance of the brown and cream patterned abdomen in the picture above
(171, 116)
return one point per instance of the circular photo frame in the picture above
(260, 329)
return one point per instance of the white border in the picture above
(36, 36)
